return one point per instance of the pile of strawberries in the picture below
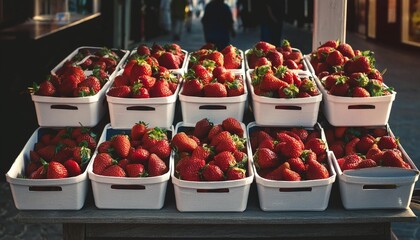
(209, 74)
(147, 74)
(289, 154)
(363, 147)
(143, 152)
(72, 79)
(281, 83)
(346, 72)
(60, 153)
(264, 53)
(211, 152)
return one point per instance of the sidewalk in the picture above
(402, 74)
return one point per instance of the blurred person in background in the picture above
(178, 17)
(218, 24)
(165, 15)
(271, 15)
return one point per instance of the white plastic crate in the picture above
(304, 70)
(73, 111)
(125, 112)
(214, 196)
(305, 195)
(282, 111)
(215, 109)
(377, 187)
(356, 111)
(44, 194)
(127, 192)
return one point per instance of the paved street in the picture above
(403, 71)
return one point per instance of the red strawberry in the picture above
(31, 167)
(56, 170)
(135, 170)
(367, 163)
(138, 130)
(202, 128)
(141, 67)
(275, 57)
(152, 136)
(337, 147)
(235, 173)
(102, 161)
(46, 88)
(351, 162)
(183, 143)
(190, 169)
(215, 89)
(121, 144)
(119, 91)
(346, 49)
(360, 92)
(316, 170)
(387, 142)
(365, 143)
(156, 166)
(288, 146)
(264, 46)
(139, 155)
(39, 173)
(290, 175)
(225, 160)
(330, 43)
(393, 158)
(91, 82)
(192, 87)
(143, 49)
(214, 131)
(73, 168)
(203, 152)
(277, 173)
(232, 60)
(160, 89)
(341, 87)
(350, 147)
(169, 60)
(265, 158)
(317, 145)
(297, 165)
(335, 58)
(162, 148)
(233, 126)
(212, 173)
(114, 171)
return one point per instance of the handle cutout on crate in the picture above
(141, 108)
(288, 107)
(45, 189)
(65, 107)
(128, 187)
(212, 107)
(379, 186)
(217, 190)
(301, 189)
(361, 106)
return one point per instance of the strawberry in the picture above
(119, 91)
(290, 175)
(351, 162)
(341, 87)
(114, 171)
(183, 143)
(367, 163)
(56, 170)
(212, 173)
(330, 43)
(139, 155)
(358, 79)
(39, 173)
(232, 60)
(47, 153)
(32, 167)
(192, 87)
(160, 89)
(91, 82)
(235, 88)
(152, 136)
(365, 143)
(290, 64)
(141, 67)
(121, 144)
(162, 148)
(264, 46)
(317, 145)
(288, 146)
(233, 126)
(224, 160)
(143, 49)
(277, 173)
(190, 169)
(215, 89)
(73, 168)
(265, 158)
(360, 92)
(285, 46)
(335, 58)
(156, 166)
(203, 152)
(102, 161)
(316, 170)
(123, 163)
(350, 147)
(105, 147)
(45, 88)
(393, 158)
(138, 130)
(297, 165)
(346, 49)
(135, 170)
(337, 147)
(275, 57)
(202, 128)
(169, 60)
(387, 142)
(235, 173)
(308, 86)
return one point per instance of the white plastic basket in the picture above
(356, 111)
(306, 195)
(73, 111)
(215, 109)
(377, 187)
(282, 111)
(44, 194)
(125, 112)
(217, 196)
(127, 192)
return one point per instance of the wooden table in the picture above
(333, 223)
